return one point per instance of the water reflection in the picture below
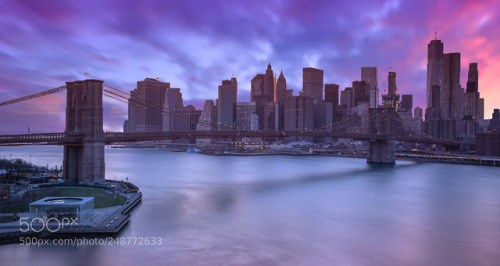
(292, 210)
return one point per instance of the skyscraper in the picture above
(270, 117)
(407, 102)
(188, 118)
(472, 93)
(332, 96)
(208, 117)
(226, 104)
(451, 92)
(257, 87)
(481, 109)
(405, 112)
(418, 120)
(471, 102)
(323, 116)
(264, 93)
(473, 78)
(207, 120)
(281, 91)
(332, 93)
(312, 79)
(269, 86)
(146, 106)
(391, 99)
(369, 75)
(245, 116)
(281, 94)
(361, 92)
(299, 114)
(494, 125)
(172, 120)
(435, 67)
(346, 100)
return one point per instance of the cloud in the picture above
(196, 44)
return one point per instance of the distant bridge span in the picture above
(120, 137)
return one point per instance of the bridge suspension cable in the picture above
(33, 96)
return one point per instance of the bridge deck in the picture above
(119, 137)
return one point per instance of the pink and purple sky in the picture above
(196, 44)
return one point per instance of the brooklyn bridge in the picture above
(84, 138)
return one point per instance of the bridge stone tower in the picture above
(382, 121)
(84, 115)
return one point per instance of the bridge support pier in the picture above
(382, 122)
(381, 151)
(84, 115)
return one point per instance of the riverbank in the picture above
(110, 222)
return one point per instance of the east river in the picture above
(288, 210)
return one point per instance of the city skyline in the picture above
(293, 39)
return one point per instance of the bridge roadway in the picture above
(120, 137)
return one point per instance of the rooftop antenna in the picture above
(435, 33)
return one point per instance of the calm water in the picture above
(289, 210)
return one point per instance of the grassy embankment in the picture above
(102, 198)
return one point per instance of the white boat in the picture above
(193, 150)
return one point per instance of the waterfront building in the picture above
(488, 144)
(79, 209)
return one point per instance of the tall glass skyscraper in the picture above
(435, 66)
